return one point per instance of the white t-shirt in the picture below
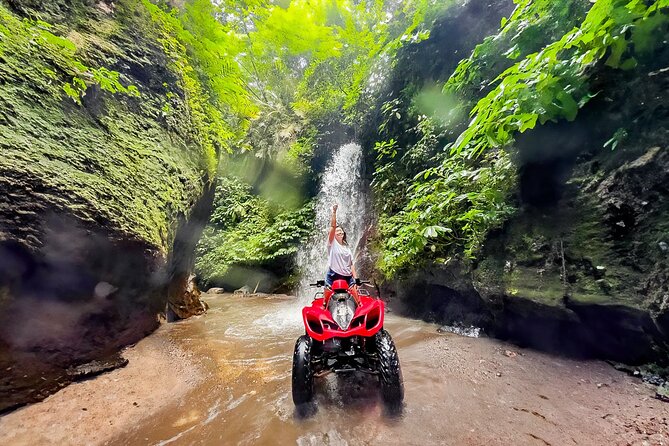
(341, 259)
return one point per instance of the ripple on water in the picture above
(284, 319)
(213, 412)
(239, 332)
(462, 330)
(329, 438)
(240, 400)
(246, 362)
(283, 408)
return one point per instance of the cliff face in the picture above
(105, 185)
(582, 268)
(585, 275)
(589, 241)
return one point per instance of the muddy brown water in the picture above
(458, 390)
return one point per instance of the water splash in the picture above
(462, 330)
(342, 184)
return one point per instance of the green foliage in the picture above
(39, 36)
(396, 164)
(107, 80)
(233, 203)
(246, 231)
(308, 61)
(300, 152)
(322, 51)
(113, 163)
(532, 25)
(203, 52)
(371, 33)
(616, 139)
(552, 83)
(449, 209)
(301, 61)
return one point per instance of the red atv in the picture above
(343, 337)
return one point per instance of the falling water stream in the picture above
(341, 184)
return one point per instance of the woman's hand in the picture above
(333, 224)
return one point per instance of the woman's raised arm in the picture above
(333, 225)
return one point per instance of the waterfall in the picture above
(341, 184)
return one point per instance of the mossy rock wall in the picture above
(103, 196)
(583, 266)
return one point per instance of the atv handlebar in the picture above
(320, 283)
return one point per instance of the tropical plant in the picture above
(552, 83)
(448, 213)
(451, 205)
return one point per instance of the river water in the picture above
(245, 345)
(459, 390)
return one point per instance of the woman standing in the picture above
(340, 260)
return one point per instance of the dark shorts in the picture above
(331, 276)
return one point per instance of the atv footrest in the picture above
(345, 370)
(351, 369)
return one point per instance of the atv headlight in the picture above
(342, 313)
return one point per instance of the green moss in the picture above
(116, 161)
(526, 259)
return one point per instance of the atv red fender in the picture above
(367, 320)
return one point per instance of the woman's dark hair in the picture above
(343, 239)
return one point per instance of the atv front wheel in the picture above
(303, 377)
(390, 373)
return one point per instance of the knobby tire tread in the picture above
(392, 386)
(303, 378)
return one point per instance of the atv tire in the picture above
(390, 373)
(303, 377)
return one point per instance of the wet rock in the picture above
(215, 290)
(662, 393)
(96, 367)
(622, 192)
(604, 285)
(653, 379)
(103, 290)
(187, 303)
(442, 295)
(86, 255)
(622, 367)
(243, 290)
